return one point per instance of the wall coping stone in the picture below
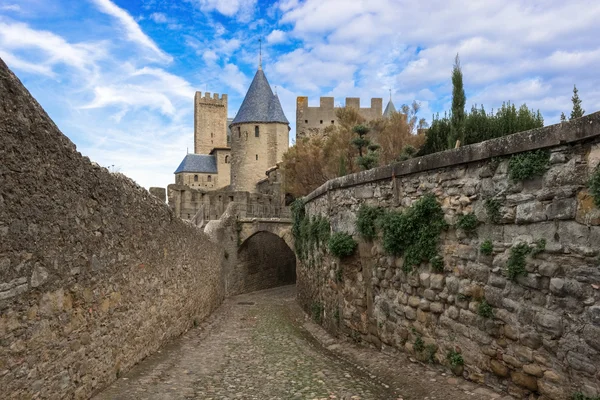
(583, 128)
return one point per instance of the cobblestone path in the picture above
(262, 346)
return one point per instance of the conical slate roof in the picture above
(389, 109)
(260, 104)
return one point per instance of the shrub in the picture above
(581, 396)
(485, 310)
(317, 312)
(594, 186)
(366, 221)
(487, 247)
(516, 262)
(467, 222)
(492, 207)
(415, 232)
(341, 244)
(419, 345)
(528, 165)
(437, 263)
(430, 351)
(454, 358)
(540, 245)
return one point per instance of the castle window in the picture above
(226, 159)
(306, 121)
(239, 132)
(321, 121)
(195, 178)
(209, 179)
(246, 135)
(332, 122)
(256, 133)
(257, 156)
(212, 135)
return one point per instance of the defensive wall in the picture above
(312, 121)
(95, 273)
(538, 334)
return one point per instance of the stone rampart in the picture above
(538, 334)
(95, 273)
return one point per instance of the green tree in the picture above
(458, 106)
(366, 160)
(577, 111)
(563, 117)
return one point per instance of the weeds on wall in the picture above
(492, 208)
(540, 246)
(437, 264)
(485, 310)
(455, 359)
(415, 232)
(594, 186)
(581, 396)
(419, 345)
(317, 312)
(308, 232)
(366, 221)
(467, 222)
(486, 248)
(515, 266)
(341, 244)
(528, 165)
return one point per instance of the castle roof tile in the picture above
(389, 109)
(260, 104)
(200, 163)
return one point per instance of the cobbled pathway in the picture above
(262, 346)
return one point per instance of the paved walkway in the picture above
(262, 346)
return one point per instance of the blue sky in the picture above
(118, 76)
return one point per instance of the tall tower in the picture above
(210, 122)
(259, 135)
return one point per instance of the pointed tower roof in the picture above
(260, 104)
(389, 109)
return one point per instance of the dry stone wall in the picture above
(538, 335)
(95, 273)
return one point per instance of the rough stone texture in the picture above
(543, 337)
(95, 273)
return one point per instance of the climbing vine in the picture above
(594, 186)
(515, 266)
(467, 222)
(308, 232)
(414, 233)
(341, 244)
(366, 221)
(528, 165)
(492, 207)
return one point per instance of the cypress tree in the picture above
(458, 106)
(577, 110)
(563, 117)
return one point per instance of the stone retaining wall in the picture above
(544, 337)
(95, 273)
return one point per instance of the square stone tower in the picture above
(210, 122)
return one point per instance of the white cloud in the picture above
(10, 7)
(242, 9)
(16, 63)
(159, 18)
(132, 29)
(276, 36)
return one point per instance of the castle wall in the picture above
(198, 180)
(252, 155)
(224, 167)
(542, 332)
(95, 273)
(311, 121)
(210, 122)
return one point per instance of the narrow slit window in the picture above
(209, 179)
(195, 178)
(256, 131)
(257, 157)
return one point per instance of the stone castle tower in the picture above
(259, 135)
(210, 122)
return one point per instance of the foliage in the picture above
(407, 152)
(298, 217)
(577, 111)
(485, 310)
(394, 135)
(317, 312)
(455, 358)
(457, 122)
(366, 221)
(336, 315)
(487, 247)
(369, 159)
(492, 207)
(594, 186)
(481, 125)
(563, 117)
(516, 261)
(339, 275)
(528, 165)
(437, 264)
(540, 245)
(430, 351)
(414, 233)
(467, 222)
(581, 396)
(410, 116)
(419, 345)
(307, 232)
(341, 244)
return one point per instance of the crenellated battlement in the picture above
(213, 99)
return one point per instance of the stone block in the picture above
(452, 283)
(437, 281)
(437, 308)
(499, 368)
(561, 209)
(477, 272)
(493, 296)
(497, 281)
(527, 381)
(533, 211)
(429, 294)
(414, 301)
(424, 279)
(551, 390)
(550, 323)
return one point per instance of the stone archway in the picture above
(264, 260)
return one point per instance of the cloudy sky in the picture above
(118, 76)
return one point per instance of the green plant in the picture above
(594, 186)
(540, 246)
(581, 396)
(415, 232)
(437, 264)
(467, 222)
(430, 351)
(341, 244)
(492, 207)
(515, 266)
(366, 221)
(298, 217)
(356, 337)
(485, 310)
(317, 312)
(454, 358)
(463, 297)
(336, 315)
(339, 275)
(195, 323)
(528, 165)
(419, 345)
(486, 247)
